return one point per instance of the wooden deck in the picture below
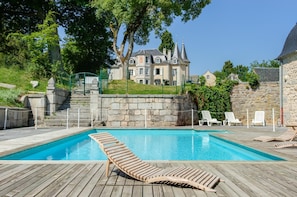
(88, 179)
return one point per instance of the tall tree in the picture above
(89, 43)
(228, 68)
(21, 16)
(39, 45)
(166, 41)
(270, 64)
(137, 18)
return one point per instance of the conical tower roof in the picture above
(184, 53)
(290, 45)
(176, 52)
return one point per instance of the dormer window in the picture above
(174, 61)
(131, 61)
(158, 60)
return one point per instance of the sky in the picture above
(242, 31)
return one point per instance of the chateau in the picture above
(155, 68)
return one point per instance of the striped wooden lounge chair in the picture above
(288, 135)
(118, 154)
(286, 144)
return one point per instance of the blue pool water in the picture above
(150, 144)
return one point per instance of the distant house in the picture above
(234, 77)
(267, 74)
(156, 68)
(210, 79)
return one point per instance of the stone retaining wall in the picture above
(143, 110)
(13, 117)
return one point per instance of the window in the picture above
(158, 60)
(157, 71)
(131, 72)
(131, 61)
(207, 76)
(146, 81)
(174, 72)
(146, 59)
(141, 71)
(174, 61)
(174, 83)
(141, 81)
(147, 71)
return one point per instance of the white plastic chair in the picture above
(230, 119)
(206, 117)
(259, 118)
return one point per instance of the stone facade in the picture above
(155, 68)
(246, 101)
(210, 79)
(290, 90)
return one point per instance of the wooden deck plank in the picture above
(47, 179)
(107, 190)
(8, 173)
(62, 178)
(127, 191)
(87, 190)
(148, 191)
(224, 187)
(117, 191)
(79, 182)
(88, 179)
(42, 180)
(137, 191)
(18, 179)
(278, 182)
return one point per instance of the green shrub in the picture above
(10, 97)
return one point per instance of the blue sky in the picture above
(242, 31)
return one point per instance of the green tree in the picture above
(267, 64)
(20, 16)
(137, 18)
(228, 68)
(89, 48)
(38, 45)
(166, 41)
(242, 72)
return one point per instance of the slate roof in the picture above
(177, 54)
(290, 45)
(184, 53)
(153, 52)
(267, 74)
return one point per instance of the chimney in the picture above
(169, 55)
(164, 51)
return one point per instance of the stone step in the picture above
(63, 123)
(73, 103)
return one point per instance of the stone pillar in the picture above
(50, 93)
(94, 95)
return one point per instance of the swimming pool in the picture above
(148, 144)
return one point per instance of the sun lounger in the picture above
(231, 120)
(286, 144)
(206, 118)
(118, 154)
(286, 136)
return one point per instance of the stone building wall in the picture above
(290, 90)
(246, 101)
